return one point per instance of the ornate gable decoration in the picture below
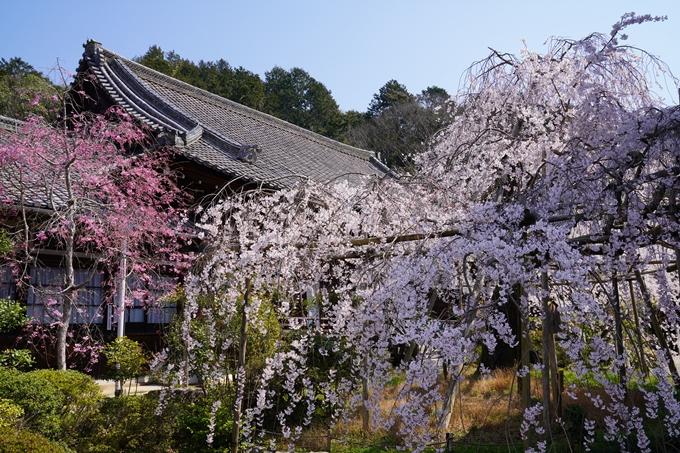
(248, 153)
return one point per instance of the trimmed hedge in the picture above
(22, 441)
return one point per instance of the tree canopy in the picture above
(24, 90)
(553, 188)
(298, 98)
(90, 190)
(399, 126)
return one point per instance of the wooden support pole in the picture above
(545, 371)
(638, 332)
(365, 396)
(525, 382)
(240, 370)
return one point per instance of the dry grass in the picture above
(488, 407)
(488, 411)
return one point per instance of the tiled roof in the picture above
(235, 140)
(32, 191)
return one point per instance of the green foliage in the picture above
(298, 98)
(10, 413)
(433, 97)
(237, 84)
(25, 91)
(81, 399)
(154, 58)
(5, 243)
(293, 96)
(390, 95)
(41, 402)
(398, 133)
(132, 423)
(261, 341)
(20, 359)
(399, 125)
(126, 358)
(12, 315)
(22, 441)
(56, 404)
(193, 427)
(129, 423)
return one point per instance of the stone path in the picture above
(109, 387)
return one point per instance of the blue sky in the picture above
(351, 46)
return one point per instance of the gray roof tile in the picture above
(211, 130)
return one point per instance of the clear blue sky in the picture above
(351, 46)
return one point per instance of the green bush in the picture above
(193, 426)
(130, 423)
(22, 441)
(20, 359)
(10, 413)
(81, 400)
(12, 315)
(41, 402)
(56, 404)
(126, 359)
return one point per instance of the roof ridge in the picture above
(171, 82)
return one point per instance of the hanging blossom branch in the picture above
(559, 169)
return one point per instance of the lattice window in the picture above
(44, 299)
(148, 300)
(7, 283)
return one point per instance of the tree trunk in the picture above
(62, 330)
(640, 349)
(67, 298)
(525, 382)
(454, 379)
(554, 377)
(656, 325)
(504, 355)
(619, 328)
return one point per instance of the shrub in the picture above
(126, 359)
(10, 413)
(56, 404)
(20, 359)
(22, 441)
(41, 402)
(194, 421)
(129, 423)
(81, 399)
(12, 315)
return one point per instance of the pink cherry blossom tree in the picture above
(554, 191)
(86, 190)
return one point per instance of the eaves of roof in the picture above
(235, 140)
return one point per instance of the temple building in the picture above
(219, 146)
